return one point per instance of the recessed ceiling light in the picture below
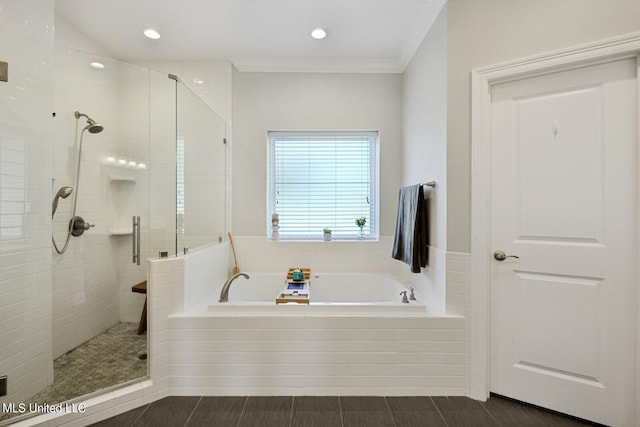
(318, 33)
(152, 34)
(98, 65)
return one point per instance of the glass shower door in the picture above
(96, 313)
(200, 172)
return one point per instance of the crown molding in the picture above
(316, 66)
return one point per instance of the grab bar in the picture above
(136, 240)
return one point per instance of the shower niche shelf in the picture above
(122, 178)
(120, 231)
(121, 174)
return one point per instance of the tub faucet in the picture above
(404, 297)
(224, 292)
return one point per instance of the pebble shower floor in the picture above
(108, 359)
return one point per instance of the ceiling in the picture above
(259, 35)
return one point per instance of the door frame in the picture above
(482, 80)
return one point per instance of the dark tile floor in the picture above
(349, 411)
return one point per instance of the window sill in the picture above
(347, 240)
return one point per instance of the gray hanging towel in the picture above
(410, 244)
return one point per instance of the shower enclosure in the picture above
(159, 156)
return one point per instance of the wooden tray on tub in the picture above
(306, 273)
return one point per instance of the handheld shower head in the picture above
(63, 192)
(91, 126)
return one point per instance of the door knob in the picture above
(501, 256)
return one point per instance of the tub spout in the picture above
(224, 292)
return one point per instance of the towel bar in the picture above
(431, 184)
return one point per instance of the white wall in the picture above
(492, 31)
(424, 118)
(424, 150)
(279, 101)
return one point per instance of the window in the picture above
(323, 180)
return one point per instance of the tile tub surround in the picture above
(329, 411)
(347, 353)
(233, 355)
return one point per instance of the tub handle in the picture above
(404, 297)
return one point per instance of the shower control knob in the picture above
(78, 226)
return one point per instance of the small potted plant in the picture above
(327, 234)
(361, 222)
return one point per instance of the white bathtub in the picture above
(355, 338)
(330, 293)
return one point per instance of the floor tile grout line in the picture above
(490, 414)
(141, 414)
(293, 400)
(496, 419)
(244, 405)
(192, 412)
(393, 419)
(439, 411)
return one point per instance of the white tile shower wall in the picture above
(128, 187)
(28, 18)
(25, 167)
(318, 355)
(129, 138)
(458, 283)
(85, 278)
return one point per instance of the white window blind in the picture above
(319, 180)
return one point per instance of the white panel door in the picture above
(563, 194)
